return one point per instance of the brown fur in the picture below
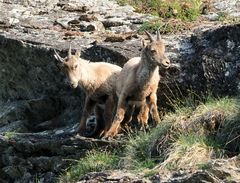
(137, 84)
(98, 81)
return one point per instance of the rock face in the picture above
(218, 54)
(211, 66)
(229, 7)
(39, 112)
(219, 170)
(44, 155)
(114, 176)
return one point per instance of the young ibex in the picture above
(98, 81)
(138, 83)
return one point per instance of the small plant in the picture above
(227, 105)
(171, 166)
(186, 154)
(139, 149)
(94, 161)
(166, 27)
(204, 166)
(10, 135)
(150, 26)
(222, 16)
(150, 173)
(185, 10)
(188, 140)
(225, 18)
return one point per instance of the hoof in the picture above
(144, 128)
(81, 133)
(109, 135)
(107, 138)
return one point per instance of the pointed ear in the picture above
(78, 53)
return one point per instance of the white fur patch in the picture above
(91, 120)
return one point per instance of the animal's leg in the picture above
(128, 117)
(88, 106)
(98, 130)
(110, 107)
(153, 108)
(143, 116)
(121, 109)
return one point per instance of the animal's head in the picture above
(71, 66)
(155, 51)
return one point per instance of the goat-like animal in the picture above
(138, 83)
(98, 81)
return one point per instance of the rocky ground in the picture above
(39, 112)
(219, 172)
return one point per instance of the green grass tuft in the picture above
(188, 140)
(10, 135)
(166, 27)
(204, 166)
(226, 105)
(139, 151)
(93, 162)
(151, 27)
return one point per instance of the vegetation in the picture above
(188, 133)
(225, 18)
(94, 161)
(10, 135)
(138, 151)
(183, 9)
(174, 15)
(170, 26)
(186, 139)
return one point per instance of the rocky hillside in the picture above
(39, 112)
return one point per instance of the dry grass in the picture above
(189, 137)
(187, 157)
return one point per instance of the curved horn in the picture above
(149, 36)
(58, 57)
(158, 35)
(70, 51)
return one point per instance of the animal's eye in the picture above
(153, 51)
(75, 66)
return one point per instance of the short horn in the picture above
(149, 36)
(78, 53)
(58, 57)
(70, 51)
(158, 35)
